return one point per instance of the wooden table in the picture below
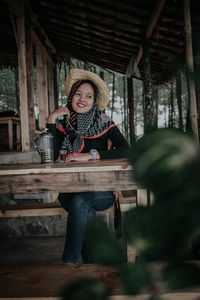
(10, 121)
(102, 175)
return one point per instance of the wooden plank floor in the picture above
(48, 280)
(31, 269)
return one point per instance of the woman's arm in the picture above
(120, 147)
(56, 114)
(57, 134)
(81, 157)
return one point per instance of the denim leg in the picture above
(86, 253)
(81, 207)
(102, 200)
(77, 208)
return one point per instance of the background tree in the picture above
(158, 108)
(8, 99)
(171, 107)
(179, 100)
(148, 91)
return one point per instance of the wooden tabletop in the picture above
(101, 175)
(70, 167)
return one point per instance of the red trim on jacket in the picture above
(100, 134)
(90, 137)
(81, 148)
(110, 145)
(61, 129)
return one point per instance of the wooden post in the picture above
(51, 89)
(23, 82)
(189, 60)
(30, 83)
(42, 88)
(55, 84)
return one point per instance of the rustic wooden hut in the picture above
(137, 38)
(112, 34)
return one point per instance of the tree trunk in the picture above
(65, 69)
(101, 74)
(171, 108)
(125, 109)
(86, 66)
(155, 105)
(189, 60)
(147, 85)
(197, 74)
(131, 109)
(113, 96)
(17, 90)
(188, 120)
(179, 100)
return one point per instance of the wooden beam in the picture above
(15, 6)
(152, 22)
(48, 42)
(190, 65)
(38, 43)
(23, 83)
(42, 88)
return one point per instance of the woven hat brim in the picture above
(80, 74)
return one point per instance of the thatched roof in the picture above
(108, 33)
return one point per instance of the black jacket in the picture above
(110, 143)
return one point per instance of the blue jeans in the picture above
(81, 207)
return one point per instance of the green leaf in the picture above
(135, 277)
(159, 232)
(144, 228)
(181, 275)
(102, 242)
(162, 161)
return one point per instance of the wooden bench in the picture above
(128, 200)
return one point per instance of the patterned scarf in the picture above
(82, 125)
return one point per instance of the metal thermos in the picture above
(44, 145)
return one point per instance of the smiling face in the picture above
(83, 98)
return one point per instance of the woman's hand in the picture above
(79, 157)
(56, 114)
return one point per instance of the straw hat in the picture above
(80, 74)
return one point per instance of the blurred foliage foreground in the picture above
(167, 163)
